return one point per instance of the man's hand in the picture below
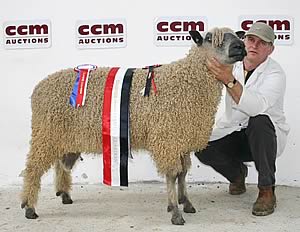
(223, 72)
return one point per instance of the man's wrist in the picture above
(231, 83)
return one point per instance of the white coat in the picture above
(262, 94)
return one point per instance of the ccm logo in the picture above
(178, 26)
(277, 25)
(13, 30)
(101, 29)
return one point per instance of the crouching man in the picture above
(253, 126)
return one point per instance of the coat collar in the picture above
(239, 68)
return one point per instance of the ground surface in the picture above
(142, 207)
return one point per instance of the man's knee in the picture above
(261, 123)
(203, 156)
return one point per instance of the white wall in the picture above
(21, 70)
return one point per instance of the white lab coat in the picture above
(262, 94)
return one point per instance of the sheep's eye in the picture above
(208, 37)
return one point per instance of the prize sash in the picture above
(115, 126)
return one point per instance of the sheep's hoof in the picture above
(177, 219)
(189, 208)
(23, 204)
(30, 213)
(170, 208)
(66, 199)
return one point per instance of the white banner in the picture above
(102, 33)
(283, 26)
(174, 31)
(27, 34)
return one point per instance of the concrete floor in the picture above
(142, 207)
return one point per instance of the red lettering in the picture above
(112, 28)
(162, 26)
(22, 30)
(178, 26)
(193, 26)
(10, 30)
(38, 29)
(96, 29)
(277, 25)
(175, 26)
(26, 30)
(83, 30)
(245, 25)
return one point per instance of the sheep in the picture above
(170, 125)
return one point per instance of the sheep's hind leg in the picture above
(63, 178)
(177, 218)
(32, 179)
(182, 191)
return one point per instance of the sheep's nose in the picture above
(239, 45)
(237, 48)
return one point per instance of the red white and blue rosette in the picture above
(78, 94)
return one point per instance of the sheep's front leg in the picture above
(177, 218)
(63, 178)
(182, 191)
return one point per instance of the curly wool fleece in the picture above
(172, 123)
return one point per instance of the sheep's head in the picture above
(222, 43)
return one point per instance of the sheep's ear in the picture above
(240, 34)
(198, 39)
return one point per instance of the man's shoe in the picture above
(238, 187)
(265, 203)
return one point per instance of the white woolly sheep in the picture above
(171, 124)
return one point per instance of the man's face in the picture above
(257, 49)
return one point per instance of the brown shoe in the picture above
(265, 203)
(238, 187)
